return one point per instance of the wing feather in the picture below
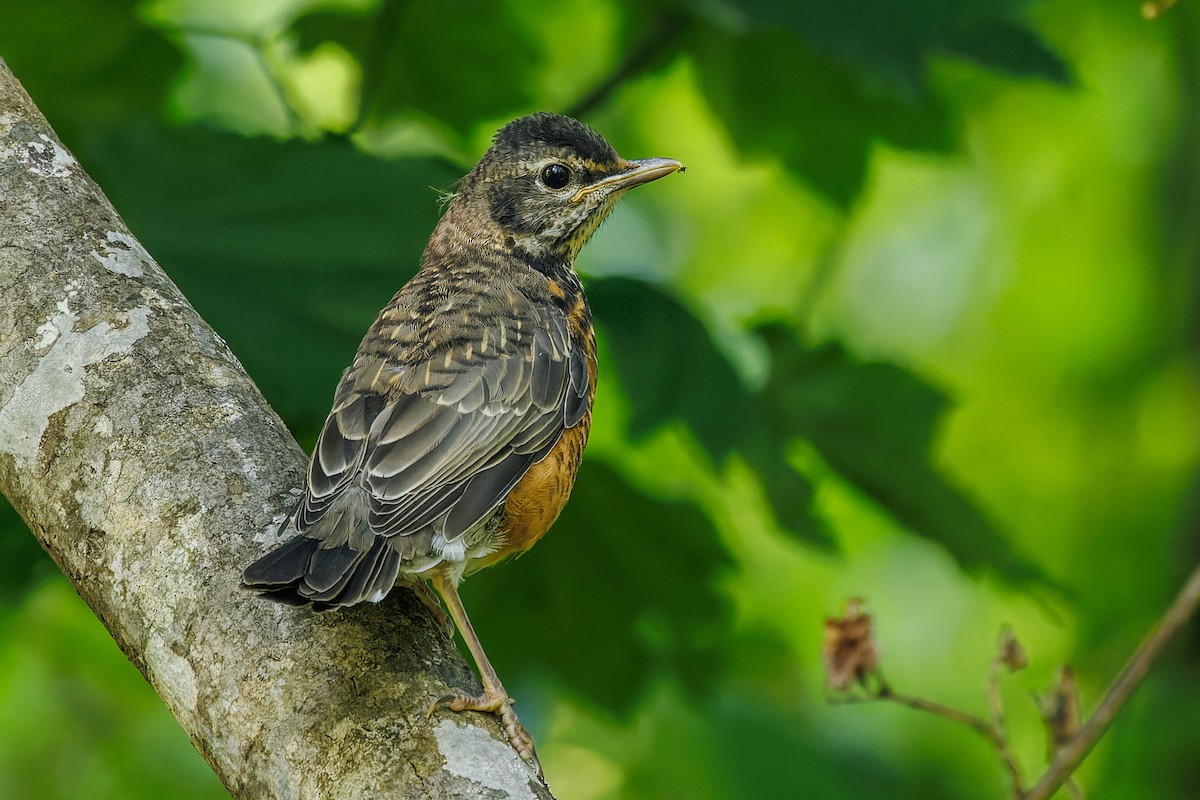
(437, 443)
(578, 392)
(409, 447)
(405, 414)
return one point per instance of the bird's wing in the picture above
(442, 450)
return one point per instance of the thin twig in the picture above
(990, 729)
(996, 706)
(977, 724)
(1069, 756)
(374, 60)
(1074, 790)
(640, 58)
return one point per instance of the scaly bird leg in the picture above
(429, 600)
(494, 699)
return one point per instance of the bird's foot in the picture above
(502, 706)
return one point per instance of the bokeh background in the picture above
(918, 325)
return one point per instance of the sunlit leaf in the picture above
(457, 61)
(671, 369)
(876, 425)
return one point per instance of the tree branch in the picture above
(991, 730)
(1009, 654)
(1068, 757)
(151, 469)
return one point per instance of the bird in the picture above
(457, 430)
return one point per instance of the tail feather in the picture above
(282, 566)
(302, 572)
(330, 568)
(373, 584)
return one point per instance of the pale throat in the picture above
(565, 239)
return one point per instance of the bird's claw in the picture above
(456, 701)
(502, 707)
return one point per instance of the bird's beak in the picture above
(635, 174)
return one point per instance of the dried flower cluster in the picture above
(1061, 709)
(849, 651)
(1010, 653)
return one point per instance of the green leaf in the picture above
(1012, 48)
(22, 561)
(99, 725)
(671, 369)
(876, 424)
(457, 61)
(669, 365)
(821, 122)
(817, 84)
(88, 65)
(623, 588)
(356, 29)
(892, 43)
(287, 249)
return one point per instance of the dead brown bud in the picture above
(849, 651)
(1061, 709)
(1009, 651)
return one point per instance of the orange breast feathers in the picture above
(538, 498)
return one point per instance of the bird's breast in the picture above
(538, 498)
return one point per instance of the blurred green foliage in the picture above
(918, 324)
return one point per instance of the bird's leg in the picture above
(429, 600)
(494, 698)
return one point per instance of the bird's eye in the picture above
(556, 176)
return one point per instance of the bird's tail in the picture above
(329, 566)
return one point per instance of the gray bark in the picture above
(151, 469)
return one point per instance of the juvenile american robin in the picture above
(456, 433)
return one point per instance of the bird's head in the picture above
(548, 181)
